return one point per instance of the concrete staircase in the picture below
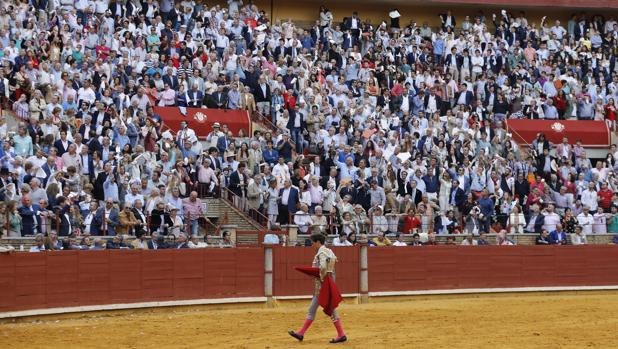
(226, 213)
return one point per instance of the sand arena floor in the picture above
(573, 320)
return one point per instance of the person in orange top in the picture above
(538, 183)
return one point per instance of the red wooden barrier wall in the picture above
(77, 278)
(290, 282)
(460, 267)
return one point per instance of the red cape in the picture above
(329, 297)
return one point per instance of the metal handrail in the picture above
(228, 196)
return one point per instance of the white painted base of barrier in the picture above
(493, 290)
(125, 306)
(283, 298)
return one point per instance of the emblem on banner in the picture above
(558, 127)
(200, 117)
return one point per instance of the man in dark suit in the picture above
(331, 175)
(156, 242)
(87, 163)
(262, 95)
(464, 97)
(288, 201)
(448, 20)
(280, 50)
(170, 79)
(43, 216)
(432, 98)
(100, 115)
(98, 191)
(28, 215)
(219, 99)
(535, 221)
(223, 143)
(457, 196)
(297, 126)
(213, 156)
(138, 213)
(160, 219)
(62, 145)
(5, 179)
(182, 242)
(106, 219)
(62, 212)
(194, 97)
(580, 29)
(238, 181)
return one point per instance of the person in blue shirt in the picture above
(487, 206)
(438, 48)
(270, 155)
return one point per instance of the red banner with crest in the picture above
(592, 134)
(201, 120)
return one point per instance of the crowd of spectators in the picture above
(375, 128)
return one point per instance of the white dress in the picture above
(273, 196)
(445, 192)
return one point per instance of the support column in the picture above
(364, 275)
(268, 276)
(292, 230)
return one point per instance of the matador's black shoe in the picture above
(339, 340)
(296, 335)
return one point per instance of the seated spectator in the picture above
(379, 224)
(39, 244)
(558, 236)
(182, 242)
(226, 240)
(543, 238)
(381, 240)
(127, 221)
(579, 238)
(302, 219)
(398, 241)
(431, 240)
(319, 221)
(416, 240)
(140, 242)
(469, 241)
(52, 242)
(341, 240)
(195, 242)
(502, 239)
(99, 244)
(116, 243)
(482, 241)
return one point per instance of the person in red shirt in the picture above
(561, 104)
(411, 222)
(605, 197)
(610, 114)
(289, 99)
(538, 183)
